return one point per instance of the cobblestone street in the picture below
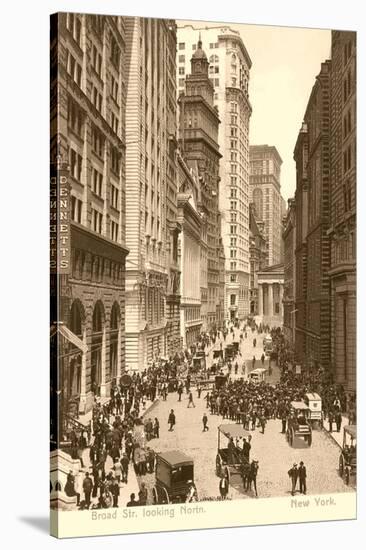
(273, 452)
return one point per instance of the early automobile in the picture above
(257, 375)
(314, 402)
(298, 424)
(218, 353)
(174, 478)
(348, 456)
(229, 460)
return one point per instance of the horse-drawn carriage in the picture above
(299, 425)
(348, 456)
(229, 459)
(174, 475)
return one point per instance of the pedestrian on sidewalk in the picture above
(254, 342)
(199, 391)
(293, 475)
(338, 420)
(205, 422)
(330, 420)
(302, 478)
(190, 400)
(124, 466)
(132, 501)
(87, 487)
(171, 420)
(180, 391)
(142, 495)
(156, 428)
(284, 423)
(223, 487)
(253, 361)
(263, 357)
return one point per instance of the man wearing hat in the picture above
(293, 474)
(302, 478)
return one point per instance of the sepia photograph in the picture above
(202, 265)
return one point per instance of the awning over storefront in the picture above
(69, 335)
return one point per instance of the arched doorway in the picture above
(97, 348)
(113, 344)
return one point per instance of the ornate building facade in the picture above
(289, 246)
(313, 248)
(228, 70)
(198, 142)
(90, 105)
(152, 273)
(258, 257)
(343, 209)
(190, 221)
(265, 189)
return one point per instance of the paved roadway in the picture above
(271, 449)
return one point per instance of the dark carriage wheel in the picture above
(165, 496)
(155, 496)
(219, 465)
(227, 474)
(341, 466)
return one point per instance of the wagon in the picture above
(220, 380)
(218, 353)
(348, 457)
(314, 402)
(230, 466)
(298, 425)
(199, 362)
(257, 375)
(174, 476)
(229, 352)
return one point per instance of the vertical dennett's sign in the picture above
(59, 221)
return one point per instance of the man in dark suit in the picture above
(293, 474)
(223, 487)
(302, 477)
(171, 420)
(87, 487)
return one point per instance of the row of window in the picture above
(73, 25)
(347, 159)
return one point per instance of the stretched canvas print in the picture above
(203, 274)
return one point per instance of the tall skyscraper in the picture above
(265, 188)
(228, 69)
(343, 211)
(152, 278)
(198, 141)
(88, 102)
(312, 339)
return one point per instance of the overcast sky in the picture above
(285, 62)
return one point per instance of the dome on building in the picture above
(199, 53)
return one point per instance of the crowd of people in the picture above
(120, 435)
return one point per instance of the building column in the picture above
(82, 403)
(281, 301)
(103, 364)
(270, 300)
(260, 300)
(119, 355)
